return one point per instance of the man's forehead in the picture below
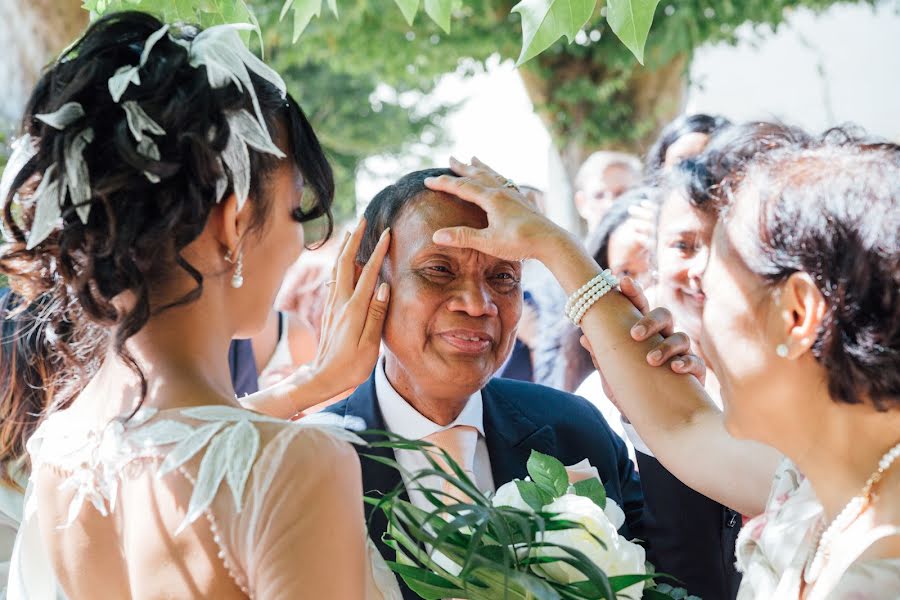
(431, 211)
(414, 229)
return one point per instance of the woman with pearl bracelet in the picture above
(802, 326)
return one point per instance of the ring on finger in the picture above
(509, 183)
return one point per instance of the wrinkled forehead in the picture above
(428, 212)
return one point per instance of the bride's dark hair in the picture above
(137, 229)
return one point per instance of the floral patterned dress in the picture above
(774, 548)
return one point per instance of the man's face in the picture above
(602, 190)
(453, 313)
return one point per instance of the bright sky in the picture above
(815, 71)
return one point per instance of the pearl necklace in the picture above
(848, 515)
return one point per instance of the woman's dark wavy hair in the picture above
(675, 130)
(137, 229)
(831, 209)
(704, 178)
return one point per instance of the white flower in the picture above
(581, 471)
(614, 514)
(508, 495)
(618, 557)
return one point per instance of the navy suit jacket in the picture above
(520, 417)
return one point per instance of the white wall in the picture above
(816, 71)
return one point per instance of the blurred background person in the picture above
(682, 138)
(622, 243)
(602, 178)
(285, 343)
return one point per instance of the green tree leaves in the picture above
(545, 21)
(439, 11)
(409, 8)
(304, 11)
(631, 20)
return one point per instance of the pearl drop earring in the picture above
(782, 350)
(237, 279)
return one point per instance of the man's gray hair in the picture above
(598, 162)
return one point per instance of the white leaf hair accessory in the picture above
(23, 150)
(47, 211)
(62, 117)
(139, 121)
(126, 75)
(226, 58)
(244, 131)
(78, 179)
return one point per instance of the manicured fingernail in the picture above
(385, 233)
(382, 293)
(678, 364)
(638, 331)
(655, 356)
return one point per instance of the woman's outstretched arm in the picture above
(672, 413)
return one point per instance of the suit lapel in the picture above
(511, 435)
(377, 478)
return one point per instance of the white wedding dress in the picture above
(198, 502)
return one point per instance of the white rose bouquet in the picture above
(552, 536)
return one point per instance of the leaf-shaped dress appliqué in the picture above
(212, 472)
(188, 447)
(242, 447)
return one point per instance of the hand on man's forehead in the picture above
(432, 211)
(414, 229)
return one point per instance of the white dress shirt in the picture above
(592, 390)
(401, 418)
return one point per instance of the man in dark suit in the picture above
(451, 324)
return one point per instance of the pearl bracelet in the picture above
(600, 288)
(601, 276)
(582, 300)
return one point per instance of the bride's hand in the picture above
(515, 230)
(353, 319)
(350, 341)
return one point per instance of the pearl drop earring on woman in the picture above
(781, 350)
(237, 279)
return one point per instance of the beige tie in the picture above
(459, 442)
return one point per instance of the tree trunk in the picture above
(32, 32)
(654, 95)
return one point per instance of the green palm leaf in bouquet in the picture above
(467, 547)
